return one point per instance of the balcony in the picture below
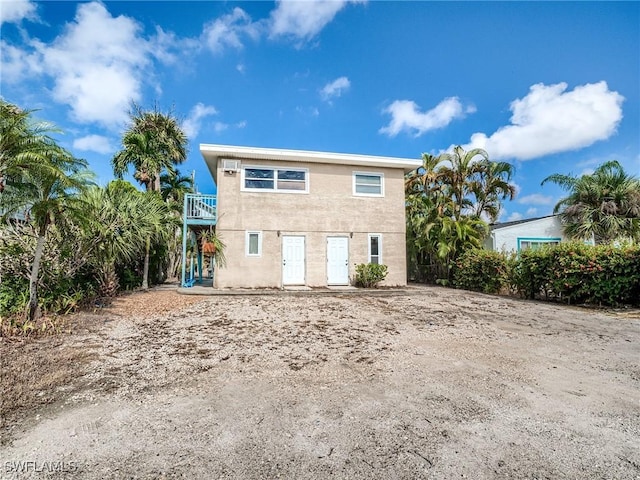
(200, 209)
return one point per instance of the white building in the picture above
(525, 234)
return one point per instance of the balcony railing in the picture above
(200, 207)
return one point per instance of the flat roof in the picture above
(212, 153)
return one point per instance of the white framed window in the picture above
(253, 244)
(536, 243)
(368, 184)
(375, 248)
(275, 179)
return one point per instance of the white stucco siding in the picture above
(510, 238)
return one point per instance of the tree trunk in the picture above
(145, 273)
(32, 307)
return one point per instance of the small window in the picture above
(536, 244)
(375, 248)
(275, 179)
(253, 244)
(368, 184)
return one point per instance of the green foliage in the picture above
(369, 275)
(530, 273)
(482, 270)
(604, 274)
(129, 279)
(604, 205)
(65, 282)
(568, 272)
(446, 201)
(14, 295)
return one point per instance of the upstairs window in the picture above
(275, 179)
(368, 184)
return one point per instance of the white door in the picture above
(292, 260)
(337, 261)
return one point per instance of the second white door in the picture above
(337, 261)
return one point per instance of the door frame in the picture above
(346, 237)
(304, 257)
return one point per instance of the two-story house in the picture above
(292, 217)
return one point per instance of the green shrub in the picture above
(482, 270)
(14, 295)
(530, 273)
(369, 275)
(578, 273)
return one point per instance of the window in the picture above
(375, 248)
(253, 244)
(368, 184)
(536, 243)
(275, 179)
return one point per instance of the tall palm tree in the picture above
(153, 144)
(604, 205)
(446, 200)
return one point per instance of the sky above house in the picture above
(551, 87)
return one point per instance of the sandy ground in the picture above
(433, 384)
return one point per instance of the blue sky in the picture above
(551, 87)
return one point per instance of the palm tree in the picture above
(49, 197)
(459, 170)
(491, 187)
(174, 189)
(153, 144)
(121, 219)
(604, 205)
(25, 144)
(446, 200)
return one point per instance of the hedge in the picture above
(569, 272)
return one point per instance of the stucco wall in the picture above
(506, 238)
(329, 209)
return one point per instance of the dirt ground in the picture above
(432, 383)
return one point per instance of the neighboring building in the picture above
(525, 234)
(293, 217)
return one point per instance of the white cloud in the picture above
(93, 143)
(98, 64)
(220, 127)
(514, 217)
(532, 211)
(228, 30)
(406, 116)
(550, 119)
(536, 199)
(18, 64)
(14, 11)
(192, 124)
(303, 19)
(335, 88)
